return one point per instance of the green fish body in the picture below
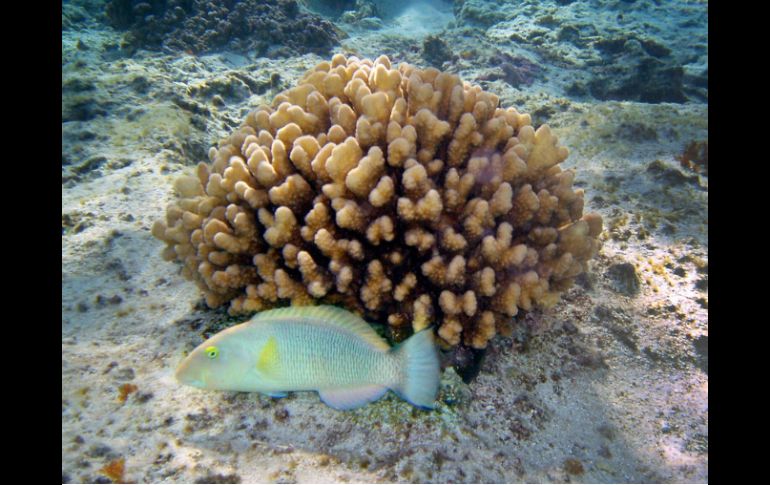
(315, 348)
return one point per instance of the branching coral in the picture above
(404, 194)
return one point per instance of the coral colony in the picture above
(402, 194)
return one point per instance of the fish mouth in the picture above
(184, 375)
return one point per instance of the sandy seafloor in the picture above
(608, 386)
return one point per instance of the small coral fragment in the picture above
(114, 470)
(124, 390)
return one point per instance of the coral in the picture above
(269, 27)
(695, 156)
(403, 194)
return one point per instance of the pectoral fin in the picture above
(349, 398)
(277, 395)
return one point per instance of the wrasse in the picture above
(315, 348)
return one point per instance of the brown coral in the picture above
(404, 194)
(695, 156)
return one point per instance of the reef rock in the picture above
(238, 25)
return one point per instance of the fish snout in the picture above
(187, 374)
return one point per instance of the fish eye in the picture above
(212, 352)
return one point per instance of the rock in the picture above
(623, 279)
(701, 346)
(203, 26)
(100, 450)
(670, 175)
(364, 15)
(478, 12)
(573, 466)
(517, 71)
(453, 391)
(436, 51)
(371, 23)
(218, 478)
(629, 73)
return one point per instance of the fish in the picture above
(315, 348)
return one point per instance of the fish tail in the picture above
(419, 362)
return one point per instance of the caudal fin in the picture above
(420, 364)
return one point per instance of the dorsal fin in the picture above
(330, 315)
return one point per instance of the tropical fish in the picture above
(315, 348)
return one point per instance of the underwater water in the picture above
(608, 384)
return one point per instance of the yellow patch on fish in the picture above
(268, 358)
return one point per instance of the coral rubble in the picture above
(404, 194)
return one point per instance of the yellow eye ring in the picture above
(212, 352)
